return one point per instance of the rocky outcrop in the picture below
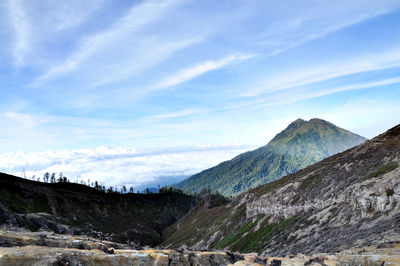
(365, 198)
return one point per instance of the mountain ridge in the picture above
(300, 144)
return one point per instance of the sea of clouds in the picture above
(117, 166)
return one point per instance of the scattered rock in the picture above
(106, 249)
(234, 256)
(319, 260)
(276, 262)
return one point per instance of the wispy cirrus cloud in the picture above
(24, 119)
(199, 69)
(22, 31)
(178, 114)
(138, 17)
(290, 96)
(68, 14)
(304, 77)
(147, 54)
(32, 30)
(298, 30)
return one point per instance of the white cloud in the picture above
(293, 95)
(23, 119)
(119, 166)
(139, 16)
(181, 113)
(302, 77)
(68, 14)
(148, 53)
(22, 30)
(312, 27)
(305, 95)
(36, 22)
(199, 69)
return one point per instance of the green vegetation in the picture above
(245, 239)
(20, 204)
(226, 241)
(384, 169)
(312, 179)
(301, 144)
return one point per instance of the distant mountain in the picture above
(301, 144)
(348, 200)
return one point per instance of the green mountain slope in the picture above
(301, 144)
(350, 199)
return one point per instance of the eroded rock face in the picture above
(365, 198)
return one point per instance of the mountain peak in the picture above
(296, 123)
(299, 145)
(318, 120)
(301, 135)
(316, 127)
(289, 129)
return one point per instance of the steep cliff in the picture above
(350, 199)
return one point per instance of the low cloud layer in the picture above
(120, 166)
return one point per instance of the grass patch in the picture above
(23, 204)
(256, 241)
(226, 241)
(383, 170)
(312, 179)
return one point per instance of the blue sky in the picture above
(178, 75)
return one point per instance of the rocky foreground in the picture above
(45, 248)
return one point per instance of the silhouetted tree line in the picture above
(52, 178)
(170, 189)
(47, 178)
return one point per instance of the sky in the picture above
(150, 92)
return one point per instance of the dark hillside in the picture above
(75, 208)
